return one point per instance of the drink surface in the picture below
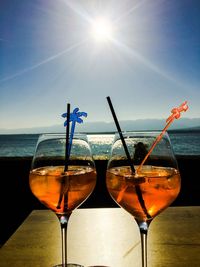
(59, 191)
(159, 187)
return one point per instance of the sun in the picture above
(102, 29)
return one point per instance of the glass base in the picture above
(69, 265)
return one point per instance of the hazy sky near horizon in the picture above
(48, 57)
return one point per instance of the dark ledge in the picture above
(17, 200)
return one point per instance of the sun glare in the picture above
(102, 30)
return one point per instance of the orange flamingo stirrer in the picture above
(176, 113)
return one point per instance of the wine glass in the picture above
(62, 186)
(154, 185)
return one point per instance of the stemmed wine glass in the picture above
(59, 188)
(147, 185)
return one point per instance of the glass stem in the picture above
(63, 224)
(143, 226)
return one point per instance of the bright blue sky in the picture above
(48, 57)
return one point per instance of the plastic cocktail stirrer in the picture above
(70, 117)
(176, 113)
(74, 117)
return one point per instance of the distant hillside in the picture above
(126, 125)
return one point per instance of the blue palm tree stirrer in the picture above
(75, 116)
(70, 117)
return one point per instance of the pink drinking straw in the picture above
(176, 113)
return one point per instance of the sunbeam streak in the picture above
(131, 52)
(78, 9)
(133, 9)
(51, 58)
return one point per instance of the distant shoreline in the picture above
(100, 127)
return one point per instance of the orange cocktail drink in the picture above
(76, 184)
(159, 187)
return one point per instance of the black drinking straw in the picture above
(67, 139)
(121, 135)
(137, 187)
(66, 156)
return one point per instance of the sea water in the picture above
(23, 145)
